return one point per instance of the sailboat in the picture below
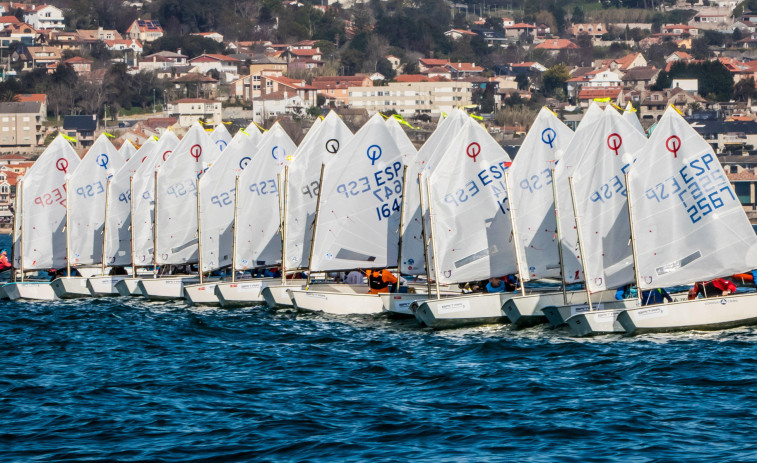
(143, 211)
(87, 200)
(128, 149)
(570, 255)
(176, 217)
(39, 239)
(598, 194)
(471, 229)
(630, 115)
(357, 223)
(301, 186)
(688, 225)
(217, 207)
(533, 209)
(221, 137)
(118, 229)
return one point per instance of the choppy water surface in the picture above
(125, 379)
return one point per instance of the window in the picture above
(734, 169)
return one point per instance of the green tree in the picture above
(554, 78)
(384, 66)
(522, 81)
(744, 90)
(578, 15)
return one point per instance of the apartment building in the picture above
(411, 95)
(20, 124)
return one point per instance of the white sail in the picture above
(600, 199)
(302, 189)
(143, 196)
(221, 136)
(533, 204)
(43, 208)
(413, 256)
(564, 167)
(127, 150)
(469, 209)
(357, 225)
(217, 191)
(177, 196)
(86, 207)
(631, 116)
(688, 223)
(403, 141)
(118, 227)
(259, 208)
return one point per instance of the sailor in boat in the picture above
(655, 296)
(118, 270)
(502, 285)
(626, 292)
(355, 277)
(379, 281)
(4, 264)
(715, 288)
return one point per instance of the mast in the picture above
(315, 226)
(131, 227)
(633, 243)
(199, 234)
(155, 229)
(105, 224)
(234, 232)
(580, 242)
(283, 212)
(559, 239)
(516, 241)
(68, 234)
(433, 240)
(424, 237)
(20, 202)
(402, 223)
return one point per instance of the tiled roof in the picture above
(557, 44)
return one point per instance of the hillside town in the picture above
(135, 69)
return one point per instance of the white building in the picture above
(189, 110)
(412, 97)
(45, 17)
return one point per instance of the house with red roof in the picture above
(592, 29)
(144, 30)
(460, 69)
(425, 64)
(221, 63)
(6, 21)
(124, 44)
(592, 78)
(556, 45)
(677, 30)
(335, 88)
(301, 53)
(587, 95)
(274, 84)
(456, 34)
(82, 66)
(518, 29)
(45, 17)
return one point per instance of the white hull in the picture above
(104, 286)
(165, 289)
(465, 310)
(699, 314)
(201, 294)
(339, 303)
(129, 287)
(525, 311)
(242, 293)
(30, 290)
(70, 287)
(604, 321)
(276, 296)
(400, 303)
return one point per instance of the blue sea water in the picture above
(123, 379)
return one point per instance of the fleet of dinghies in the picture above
(603, 207)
